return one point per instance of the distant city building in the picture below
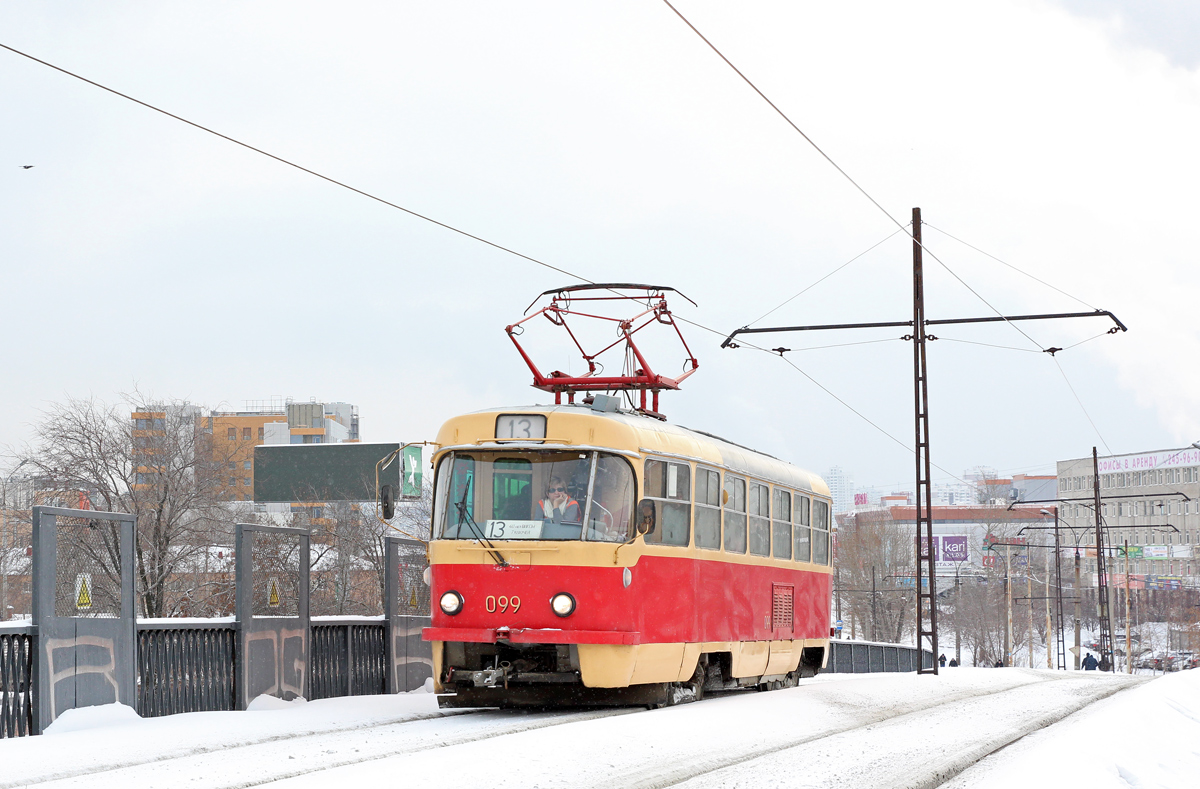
(273, 422)
(1151, 499)
(841, 489)
(979, 486)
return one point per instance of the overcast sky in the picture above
(608, 140)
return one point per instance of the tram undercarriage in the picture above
(548, 675)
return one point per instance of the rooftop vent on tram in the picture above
(606, 403)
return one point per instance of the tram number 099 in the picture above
(502, 603)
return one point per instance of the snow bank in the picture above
(1145, 737)
(92, 717)
(111, 739)
(264, 703)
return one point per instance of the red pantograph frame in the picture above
(643, 379)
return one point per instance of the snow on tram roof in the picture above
(660, 437)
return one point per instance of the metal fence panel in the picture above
(860, 662)
(272, 570)
(185, 669)
(406, 610)
(368, 659)
(83, 611)
(328, 659)
(16, 682)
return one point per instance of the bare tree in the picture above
(152, 460)
(875, 551)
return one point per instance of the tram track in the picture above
(929, 771)
(883, 736)
(285, 756)
(889, 741)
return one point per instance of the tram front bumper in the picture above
(529, 635)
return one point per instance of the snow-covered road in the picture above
(837, 730)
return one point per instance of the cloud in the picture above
(1169, 27)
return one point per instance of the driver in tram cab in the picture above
(558, 507)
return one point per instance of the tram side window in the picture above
(802, 537)
(708, 509)
(760, 519)
(670, 485)
(782, 537)
(610, 517)
(821, 532)
(735, 514)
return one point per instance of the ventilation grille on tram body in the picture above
(782, 607)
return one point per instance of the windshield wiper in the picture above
(464, 514)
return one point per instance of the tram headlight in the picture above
(562, 604)
(451, 603)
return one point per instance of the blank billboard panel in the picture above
(321, 472)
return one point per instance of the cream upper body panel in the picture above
(627, 433)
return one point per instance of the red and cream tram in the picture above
(587, 555)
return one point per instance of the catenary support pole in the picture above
(926, 567)
(1103, 609)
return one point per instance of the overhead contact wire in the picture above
(301, 168)
(837, 167)
(1081, 406)
(827, 276)
(1011, 266)
(875, 202)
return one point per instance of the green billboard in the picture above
(325, 472)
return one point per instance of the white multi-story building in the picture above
(1151, 499)
(841, 489)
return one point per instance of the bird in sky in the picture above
(26, 166)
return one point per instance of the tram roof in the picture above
(632, 431)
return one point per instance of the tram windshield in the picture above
(534, 495)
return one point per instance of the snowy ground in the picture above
(883, 730)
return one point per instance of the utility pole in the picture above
(926, 598)
(1102, 601)
(1078, 612)
(957, 615)
(1008, 631)
(874, 609)
(1029, 594)
(1049, 623)
(1128, 629)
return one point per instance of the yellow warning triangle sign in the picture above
(412, 600)
(273, 593)
(83, 598)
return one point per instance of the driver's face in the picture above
(557, 493)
